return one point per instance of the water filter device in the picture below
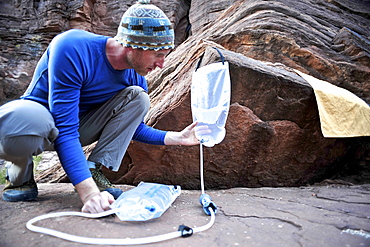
(145, 202)
(210, 103)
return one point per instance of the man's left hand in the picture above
(185, 137)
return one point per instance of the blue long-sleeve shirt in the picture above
(72, 77)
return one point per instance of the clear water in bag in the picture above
(210, 101)
(146, 201)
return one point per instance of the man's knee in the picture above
(138, 96)
(19, 146)
(25, 117)
(25, 128)
(143, 98)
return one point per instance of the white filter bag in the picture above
(210, 101)
(146, 201)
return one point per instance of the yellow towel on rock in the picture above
(342, 113)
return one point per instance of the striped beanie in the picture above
(145, 26)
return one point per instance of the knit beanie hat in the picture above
(145, 26)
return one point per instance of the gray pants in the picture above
(27, 129)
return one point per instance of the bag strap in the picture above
(201, 57)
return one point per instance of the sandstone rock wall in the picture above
(26, 28)
(273, 133)
(328, 39)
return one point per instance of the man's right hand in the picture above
(98, 203)
(94, 201)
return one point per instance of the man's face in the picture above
(145, 61)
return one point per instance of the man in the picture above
(88, 88)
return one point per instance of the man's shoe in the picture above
(103, 183)
(25, 192)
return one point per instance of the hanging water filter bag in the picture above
(210, 101)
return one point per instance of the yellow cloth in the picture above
(342, 114)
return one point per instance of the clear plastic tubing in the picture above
(106, 241)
